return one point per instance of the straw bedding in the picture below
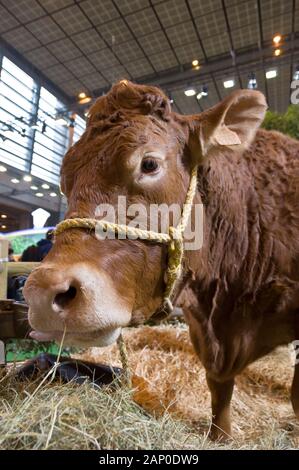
(169, 408)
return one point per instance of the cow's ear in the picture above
(232, 123)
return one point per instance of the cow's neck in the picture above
(225, 191)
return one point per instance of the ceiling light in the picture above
(296, 73)
(34, 188)
(3, 169)
(170, 98)
(27, 178)
(195, 62)
(277, 52)
(252, 82)
(39, 194)
(277, 39)
(45, 186)
(3, 216)
(3, 226)
(229, 83)
(53, 194)
(271, 74)
(82, 95)
(190, 92)
(85, 100)
(15, 180)
(204, 92)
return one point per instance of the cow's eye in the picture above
(149, 165)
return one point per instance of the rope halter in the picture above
(174, 238)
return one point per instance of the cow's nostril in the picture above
(64, 298)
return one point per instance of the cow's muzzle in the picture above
(78, 299)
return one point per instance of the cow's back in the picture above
(247, 276)
(273, 161)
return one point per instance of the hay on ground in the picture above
(174, 411)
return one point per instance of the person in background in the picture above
(39, 251)
(31, 254)
(10, 252)
(45, 245)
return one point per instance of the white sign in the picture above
(40, 217)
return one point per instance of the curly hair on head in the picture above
(127, 98)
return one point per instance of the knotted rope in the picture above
(174, 239)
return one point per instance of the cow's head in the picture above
(134, 146)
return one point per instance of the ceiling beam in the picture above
(254, 59)
(261, 44)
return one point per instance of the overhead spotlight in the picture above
(45, 186)
(3, 216)
(229, 83)
(82, 95)
(277, 39)
(15, 180)
(85, 100)
(3, 169)
(195, 64)
(204, 92)
(296, 73)
(34, 188)
(252, 82)
(39, 194)
(3, 227)
(190, 92)
(271, 74)
(53, 194)
(27, 178)
(277, 52)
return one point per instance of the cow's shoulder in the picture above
(273, 146)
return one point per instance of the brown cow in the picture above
(243, 284)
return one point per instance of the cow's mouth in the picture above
(86, 339)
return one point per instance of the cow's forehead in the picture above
(127, 132)
(111, 143)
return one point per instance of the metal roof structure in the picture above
(86, 45)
